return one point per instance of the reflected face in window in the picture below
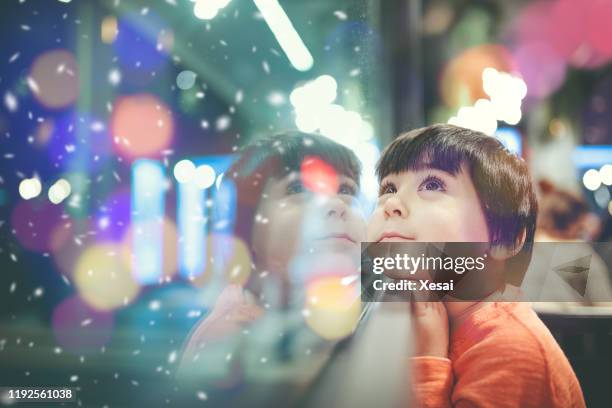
(293, 220)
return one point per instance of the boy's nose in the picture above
(395, 208)
(335, 207)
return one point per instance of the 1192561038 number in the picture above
(16, 394)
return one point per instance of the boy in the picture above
(296, 202)
(443, 183)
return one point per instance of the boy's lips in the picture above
(394, 237)
(338, 236)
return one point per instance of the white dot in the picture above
(186, 80)
(223, 122)
(591, 179)
(606, 174)
(59, 191)
(184, 171)
(30, 188)
(204, 176)
(205, 9)
(114, 76)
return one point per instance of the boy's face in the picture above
(293, 221)
(428, 205)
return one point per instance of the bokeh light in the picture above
(33, 222)
(67, 242)
(109, 29)
(79, 328)
(141, 125)
(185, 80)
(169, 248)
(55, 79)
(43, 132)
(227, 256)
(600, 30)
(113, 217)
(332, 307)
(165, 41)
(184, 171)
(59, 191)
(319, 176)
(461, 82)
(102, 278)
(541, 67)
(30, 188)
(591, 179)
(606, 174)
(204, 176)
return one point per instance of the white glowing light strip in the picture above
(192, 245)
(147, 215)
(285, 34)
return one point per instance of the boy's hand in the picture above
(430, 323)
(232, 311)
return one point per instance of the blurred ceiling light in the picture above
(208, 9)
(606, 174)
(30, 188)
(204, 176)
(59, 191)
(184, 171)
(461, 80)
(315, 94)
(506, 93)
(479, 117)
(591, 179)
(315, 110)
(285, 34)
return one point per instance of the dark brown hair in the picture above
(275, 157)
(500, 177)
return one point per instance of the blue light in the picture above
(592, 156)
(191, 210)
(148, 180)
(195, 217)
(511, 139)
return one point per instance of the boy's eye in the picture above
(387, 188)
(347, 189)
(295, 187)
(432, 183)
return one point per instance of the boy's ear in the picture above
(503, 252)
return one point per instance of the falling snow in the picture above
(341, 15)
(223, 122)
(10, 101)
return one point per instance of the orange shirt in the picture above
(501, 356)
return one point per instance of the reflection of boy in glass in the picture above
(296, 196)
(443, 183)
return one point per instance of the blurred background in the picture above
(119, 117)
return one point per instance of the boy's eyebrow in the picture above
(431, 166)
(424, 167)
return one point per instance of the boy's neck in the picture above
(459, 311)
